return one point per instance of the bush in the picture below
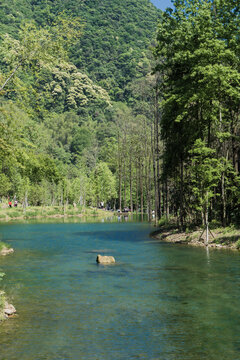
(163, 221)
(3, 245)
(238, 244)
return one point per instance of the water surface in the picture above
(159, 302)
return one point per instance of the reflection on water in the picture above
(160, 301)
(83, 219)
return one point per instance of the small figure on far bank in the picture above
(15, 203)
(10, 203)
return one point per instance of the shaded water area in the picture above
(159, 302)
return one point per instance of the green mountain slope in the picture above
(59, 120)
(115, 39)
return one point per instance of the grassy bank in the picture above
(2, 302)
(219, 237)
(31, 212)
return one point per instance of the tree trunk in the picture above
(130, 175)
(141, 189)
(181, 196)
(158, 213)
(120, 175)
(167, 200)
(124, 180)
(155, 175)
(137, 178)
(223, 200)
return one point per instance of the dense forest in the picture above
(74, 101)
(121, 103)
(197, 53)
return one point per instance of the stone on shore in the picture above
(105, 259)
(6, 251)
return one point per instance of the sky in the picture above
(162, 4)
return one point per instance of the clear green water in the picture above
(159, 302)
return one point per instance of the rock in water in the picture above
(105, 259)
(6, 251)
(9, 309)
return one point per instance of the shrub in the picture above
(3, 245)
(238, 244)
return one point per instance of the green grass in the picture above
(229, 236)
(4, 245)
(14, 213)
(48, 211)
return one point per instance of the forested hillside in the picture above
(72, 80)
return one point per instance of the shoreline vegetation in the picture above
(219, 237)
(41, 212)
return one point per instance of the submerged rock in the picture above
(9, 309)
(105, 259)
(6, 251)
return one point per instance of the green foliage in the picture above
(2, 246)
(59, 129)
(205, 171)
(197, 56)
(103, 184)
(82, 139)
(36, 47)
(238, 244)
(115, 38)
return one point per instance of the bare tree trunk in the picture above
(120, 188)
(120, 174)
(157, 157)
(154, 175)
(130, 175)
(181, 196)
(141, 188)
(164, 199)
(167, 200)
(124, 180)
(159, 211)
(235, 145)
(224, 213)
(137, 184)
(207, 221)
(149, 190)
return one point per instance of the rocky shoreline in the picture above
(6, 309)
(218, 239)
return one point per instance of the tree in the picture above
(103, 184)
(37, 46)
(197, 59)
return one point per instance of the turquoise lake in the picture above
(158, 302)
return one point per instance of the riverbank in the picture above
(219, 238)
(6, 309)
(37, 212)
